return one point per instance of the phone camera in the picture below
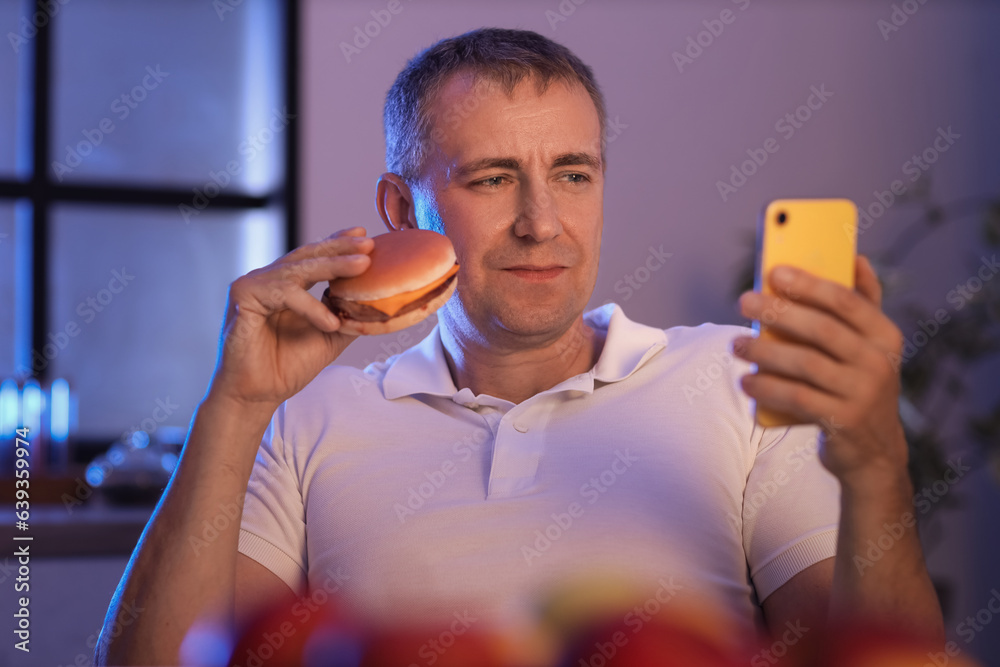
(782, 217)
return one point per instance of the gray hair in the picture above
(498, 55)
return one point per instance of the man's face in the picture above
(516, 183)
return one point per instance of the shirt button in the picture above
(520, 427)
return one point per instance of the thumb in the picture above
(866, 281)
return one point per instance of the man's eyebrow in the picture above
(575, 159)
(564, 160)
(487, 163)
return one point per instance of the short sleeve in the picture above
(273, 531)
(791, 508)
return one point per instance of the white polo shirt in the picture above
(418, 500)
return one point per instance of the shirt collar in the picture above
(628, 345)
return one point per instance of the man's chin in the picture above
(535, 323)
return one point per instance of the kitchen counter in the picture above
(96, 528)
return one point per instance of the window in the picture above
(147, 159)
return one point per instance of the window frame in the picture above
(42, 190)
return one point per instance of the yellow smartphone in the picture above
(816, 235)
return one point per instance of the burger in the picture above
(412, 274)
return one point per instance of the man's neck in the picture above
(515, 373)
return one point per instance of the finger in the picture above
(350, 231)
(843, 303)
(866, 281)
(802, 324)
(804, 403)
(312, 309)
(336, 244)
(312, 270)
(797, 362)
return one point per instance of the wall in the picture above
(69, 598)
(682, 129)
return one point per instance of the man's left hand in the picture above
(834, 367)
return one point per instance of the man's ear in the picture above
(394, 202)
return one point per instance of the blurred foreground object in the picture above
(593, 622)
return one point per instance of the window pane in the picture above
(137, 306)
(16, 27)
(7, 288)
(169, 93)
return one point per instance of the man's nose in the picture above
(538, 217)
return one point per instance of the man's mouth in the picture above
(536, 273)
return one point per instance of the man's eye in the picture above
(491, 182)
(577, 178)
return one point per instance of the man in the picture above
(523, 440)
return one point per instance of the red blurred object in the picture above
(876, 645)
(659, 643)
(302, 634)
(433, 646)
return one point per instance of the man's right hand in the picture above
(276, 337)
